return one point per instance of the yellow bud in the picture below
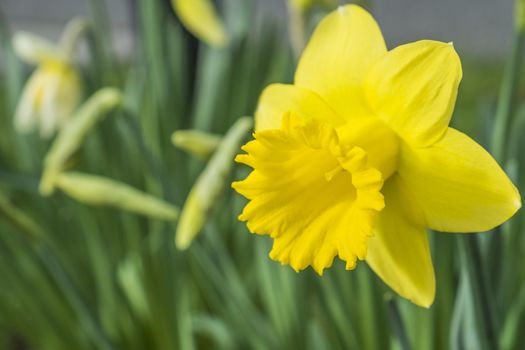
(210, 184)
(519, 14)
(201, 19)
(195, 142)
(73, 134)
(305, 5)
(97, 190)
(302, 5)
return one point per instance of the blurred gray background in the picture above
(481, 28)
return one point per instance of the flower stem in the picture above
(397, 324)
(486, 324)
(500, 149)
(19, 219)
(296, 27)
(74, 30)
(508, 86)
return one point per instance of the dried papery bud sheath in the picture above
(210, 184)
(73, 134)
(97, 190)
(196, 142)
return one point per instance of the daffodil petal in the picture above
(399, 252)
(459, 186)
(336, 59)
(414, 88)
(200, 18)
(35, 49)
(61, 97)
(27, 112)
(278, 99)
(50, 104)
(315, 198)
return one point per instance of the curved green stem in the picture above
(74, 30)
(397, 324)
(486, 324)
(502, 118)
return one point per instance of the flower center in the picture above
(377, 139)
(316, 197)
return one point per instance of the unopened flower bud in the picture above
(196, 142)
(210, 184)
(97, 190)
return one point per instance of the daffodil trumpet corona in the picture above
(356, 158)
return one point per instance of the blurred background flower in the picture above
(200, 18)
(54, 90)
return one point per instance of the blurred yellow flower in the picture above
(50, 96)
(54, 90)
(301, 4)
(201, 19)
(356, 159)
(305, 5)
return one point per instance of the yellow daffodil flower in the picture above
(356, 158)
(201, 19)
(49, 97)
(54, 90)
